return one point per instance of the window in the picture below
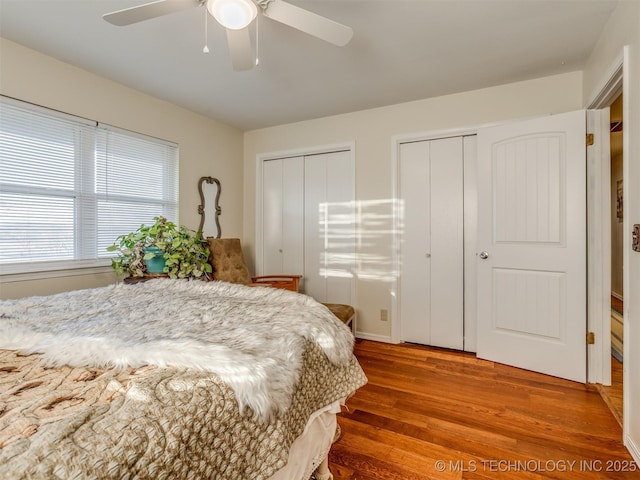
(69, 186)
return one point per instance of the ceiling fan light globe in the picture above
(233, 14)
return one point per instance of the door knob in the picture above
(483, 255)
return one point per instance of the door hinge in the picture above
(590, 140)
(591, 338)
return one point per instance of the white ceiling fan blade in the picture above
(147, 11)
(240, 49)
(309, 22)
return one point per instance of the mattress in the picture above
(154, 421)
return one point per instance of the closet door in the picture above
(283, 216)
(431, 277)
(329, 227)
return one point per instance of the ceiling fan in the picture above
(236, 16)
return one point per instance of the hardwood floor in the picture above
(430, 413)
(612, 395)
(617, 304)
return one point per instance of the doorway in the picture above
(613, 394)
(603, 205)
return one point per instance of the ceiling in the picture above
(402, 50)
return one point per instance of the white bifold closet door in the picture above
(329, 227)
(431, 303)
(308, 223)
(283, 216)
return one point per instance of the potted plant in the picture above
(162, 248)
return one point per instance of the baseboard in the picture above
(633, 449)
(374, 337)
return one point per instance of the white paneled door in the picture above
(531, 259)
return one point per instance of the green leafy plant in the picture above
(185, 251)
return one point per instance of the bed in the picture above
(171, 379)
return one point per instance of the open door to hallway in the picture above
(531, 258)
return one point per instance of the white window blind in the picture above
(136, 180)
(69, 187)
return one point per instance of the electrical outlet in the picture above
(384, 315)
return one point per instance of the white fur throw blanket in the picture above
(252, 338)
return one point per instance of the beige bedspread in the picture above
(149, 422)
(215, 381)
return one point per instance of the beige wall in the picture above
(207, 147)
(623, 29)
(372, 131)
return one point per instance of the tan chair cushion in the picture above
(343, 312)
(227, 260)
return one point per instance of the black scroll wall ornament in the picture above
(217, 211)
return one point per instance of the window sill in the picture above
(39, 271)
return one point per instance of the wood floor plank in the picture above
(431, 413)
(613, 395)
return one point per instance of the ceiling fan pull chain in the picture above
(206, 32)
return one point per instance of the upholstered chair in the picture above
(228, 264)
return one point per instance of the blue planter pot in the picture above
(157, 263)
